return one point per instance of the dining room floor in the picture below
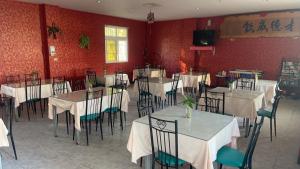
(37, 148)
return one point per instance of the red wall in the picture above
(171, 40)
(21, 49)
(72, 60)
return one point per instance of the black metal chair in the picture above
(30, 76)
(119, 80)
(6, 107)
(93, 110)
(271, 114)
(59, 86)
(235, 158)
(200, 97)
(91, 77)
(78, 84)
(13, 79)
(213, 101)
(245, 84)
(115, 106)
(172, 94)
(164, 143)
(33, 95)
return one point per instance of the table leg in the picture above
(148, 162)
(77, 136)
(55, 123)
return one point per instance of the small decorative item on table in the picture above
(230, 81)
(189, 103)
(191, 70)
(160, 75)
(104, 70)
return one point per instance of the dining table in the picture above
(17, 91)
(192, 79)
(199, 137)
(269, 89)
(242, 103)
(109, 79)
(75, 103)
(3, 138)
(160, 86)
(150, 72)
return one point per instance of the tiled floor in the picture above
(37, 148)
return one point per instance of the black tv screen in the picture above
(203, 37)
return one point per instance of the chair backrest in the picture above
(143, 87)
(6, 110)
(91, 77)
(33, 89)
(116, 97)
(275, 104)
(13, 79)
(203, 78)
(245, 84)
(59, 86)
(175, 81)
(93, 105)
(213, 100)
(277, 88)
(252, 143)
(33, 75)
(164, 141)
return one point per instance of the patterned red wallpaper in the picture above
(20, 49)
(21, 37)
(171, 40)
(72, 60)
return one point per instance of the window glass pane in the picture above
(111, 50)
(110, 31)
(122, 50)
(122, 32)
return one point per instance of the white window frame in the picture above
(117, 39)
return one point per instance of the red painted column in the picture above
(44, 37)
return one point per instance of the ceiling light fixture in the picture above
(150, 15)
(99, 1)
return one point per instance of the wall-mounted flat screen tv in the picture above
(204, 37)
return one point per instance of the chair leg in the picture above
(191, 167)
(87, 133)
(90, 127)
(67, 122)
(27, 108)
(121, 119)
(73, 128)
(13, 144)
(141, 161)
(221, 166)
(275, 126)
(101, 132)
(42, 111)
(271, 129)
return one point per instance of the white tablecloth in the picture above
(17, 91)
(3, 134)
(159, 88)
(268, 87)
(110, 79)
(242, 103)
(199, 138)
(151, 72)
(75, 102)
(193, 79)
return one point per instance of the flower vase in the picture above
(188, 112)
(230, 85)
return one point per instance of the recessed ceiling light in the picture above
(99, 1)
(198, 8)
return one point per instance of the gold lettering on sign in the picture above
(279, 24)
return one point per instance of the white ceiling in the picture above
(172, 9)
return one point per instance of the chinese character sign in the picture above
(280, 24)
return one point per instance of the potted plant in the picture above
(189, 103)
(53, 30)
(84, 41)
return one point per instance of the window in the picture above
(116, 44)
